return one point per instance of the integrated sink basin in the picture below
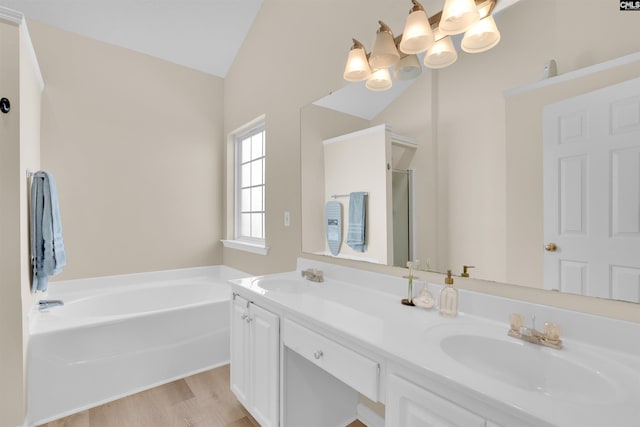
(530, 368)
(281, 284)
(579, 374)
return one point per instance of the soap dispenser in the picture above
(449, 297)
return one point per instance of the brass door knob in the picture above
(550, 247)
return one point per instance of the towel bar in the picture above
(335, 196)
(30, 174)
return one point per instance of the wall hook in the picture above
(5, 105)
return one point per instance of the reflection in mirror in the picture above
(370, 161)
(478, 167)
(360, 155)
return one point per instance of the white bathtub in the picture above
(119, 335)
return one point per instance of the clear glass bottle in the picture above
(449, 297)
(409, 299)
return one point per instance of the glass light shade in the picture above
(384, 53)
(407, 68)
(442, 54)
(380, 80)
(357, 68)
(458, 16)
(481, 37)
(417, 36)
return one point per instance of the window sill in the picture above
(247, 247)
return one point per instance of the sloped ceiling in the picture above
(201, 34)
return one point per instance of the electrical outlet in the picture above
(287, 218)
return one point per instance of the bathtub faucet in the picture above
(48, 303)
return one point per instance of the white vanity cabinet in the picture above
(255, 360)
(352, 368)
(409, 405)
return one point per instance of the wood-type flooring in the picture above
(201, 400)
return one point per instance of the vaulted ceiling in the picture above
(201, 34)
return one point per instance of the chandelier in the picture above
(423, 34)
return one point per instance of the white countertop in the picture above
(411, 336)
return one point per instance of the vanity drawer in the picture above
(350, 367)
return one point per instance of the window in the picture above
(250, 185)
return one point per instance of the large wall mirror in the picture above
(465, 145)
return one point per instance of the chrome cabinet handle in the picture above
(318, 354)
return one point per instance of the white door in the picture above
(265, 366)
(591, 161)
(240, 349)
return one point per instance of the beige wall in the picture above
(19, 151)
(12, 403)
(136, 146)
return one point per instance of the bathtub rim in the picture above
(46, 321)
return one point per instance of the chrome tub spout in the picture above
(48, 303)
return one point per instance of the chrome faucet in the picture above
(313, 275)
(549, 338)
(48, 303)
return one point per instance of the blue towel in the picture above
(357, 221)
(47, 245)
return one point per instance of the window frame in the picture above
(238, 137)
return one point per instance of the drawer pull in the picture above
(317, 354)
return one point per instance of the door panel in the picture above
(239, 369)
(591, 161)
(265, 363)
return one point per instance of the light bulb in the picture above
(417, 36)
(384, 53)
(357, 68)
(380, 80)
(481, 37)
(442, 54)
(408, 68)
(458, 16)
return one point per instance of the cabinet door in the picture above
(409, 405)
(265, 365)
(240, 349)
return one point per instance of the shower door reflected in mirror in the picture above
(402, 217)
